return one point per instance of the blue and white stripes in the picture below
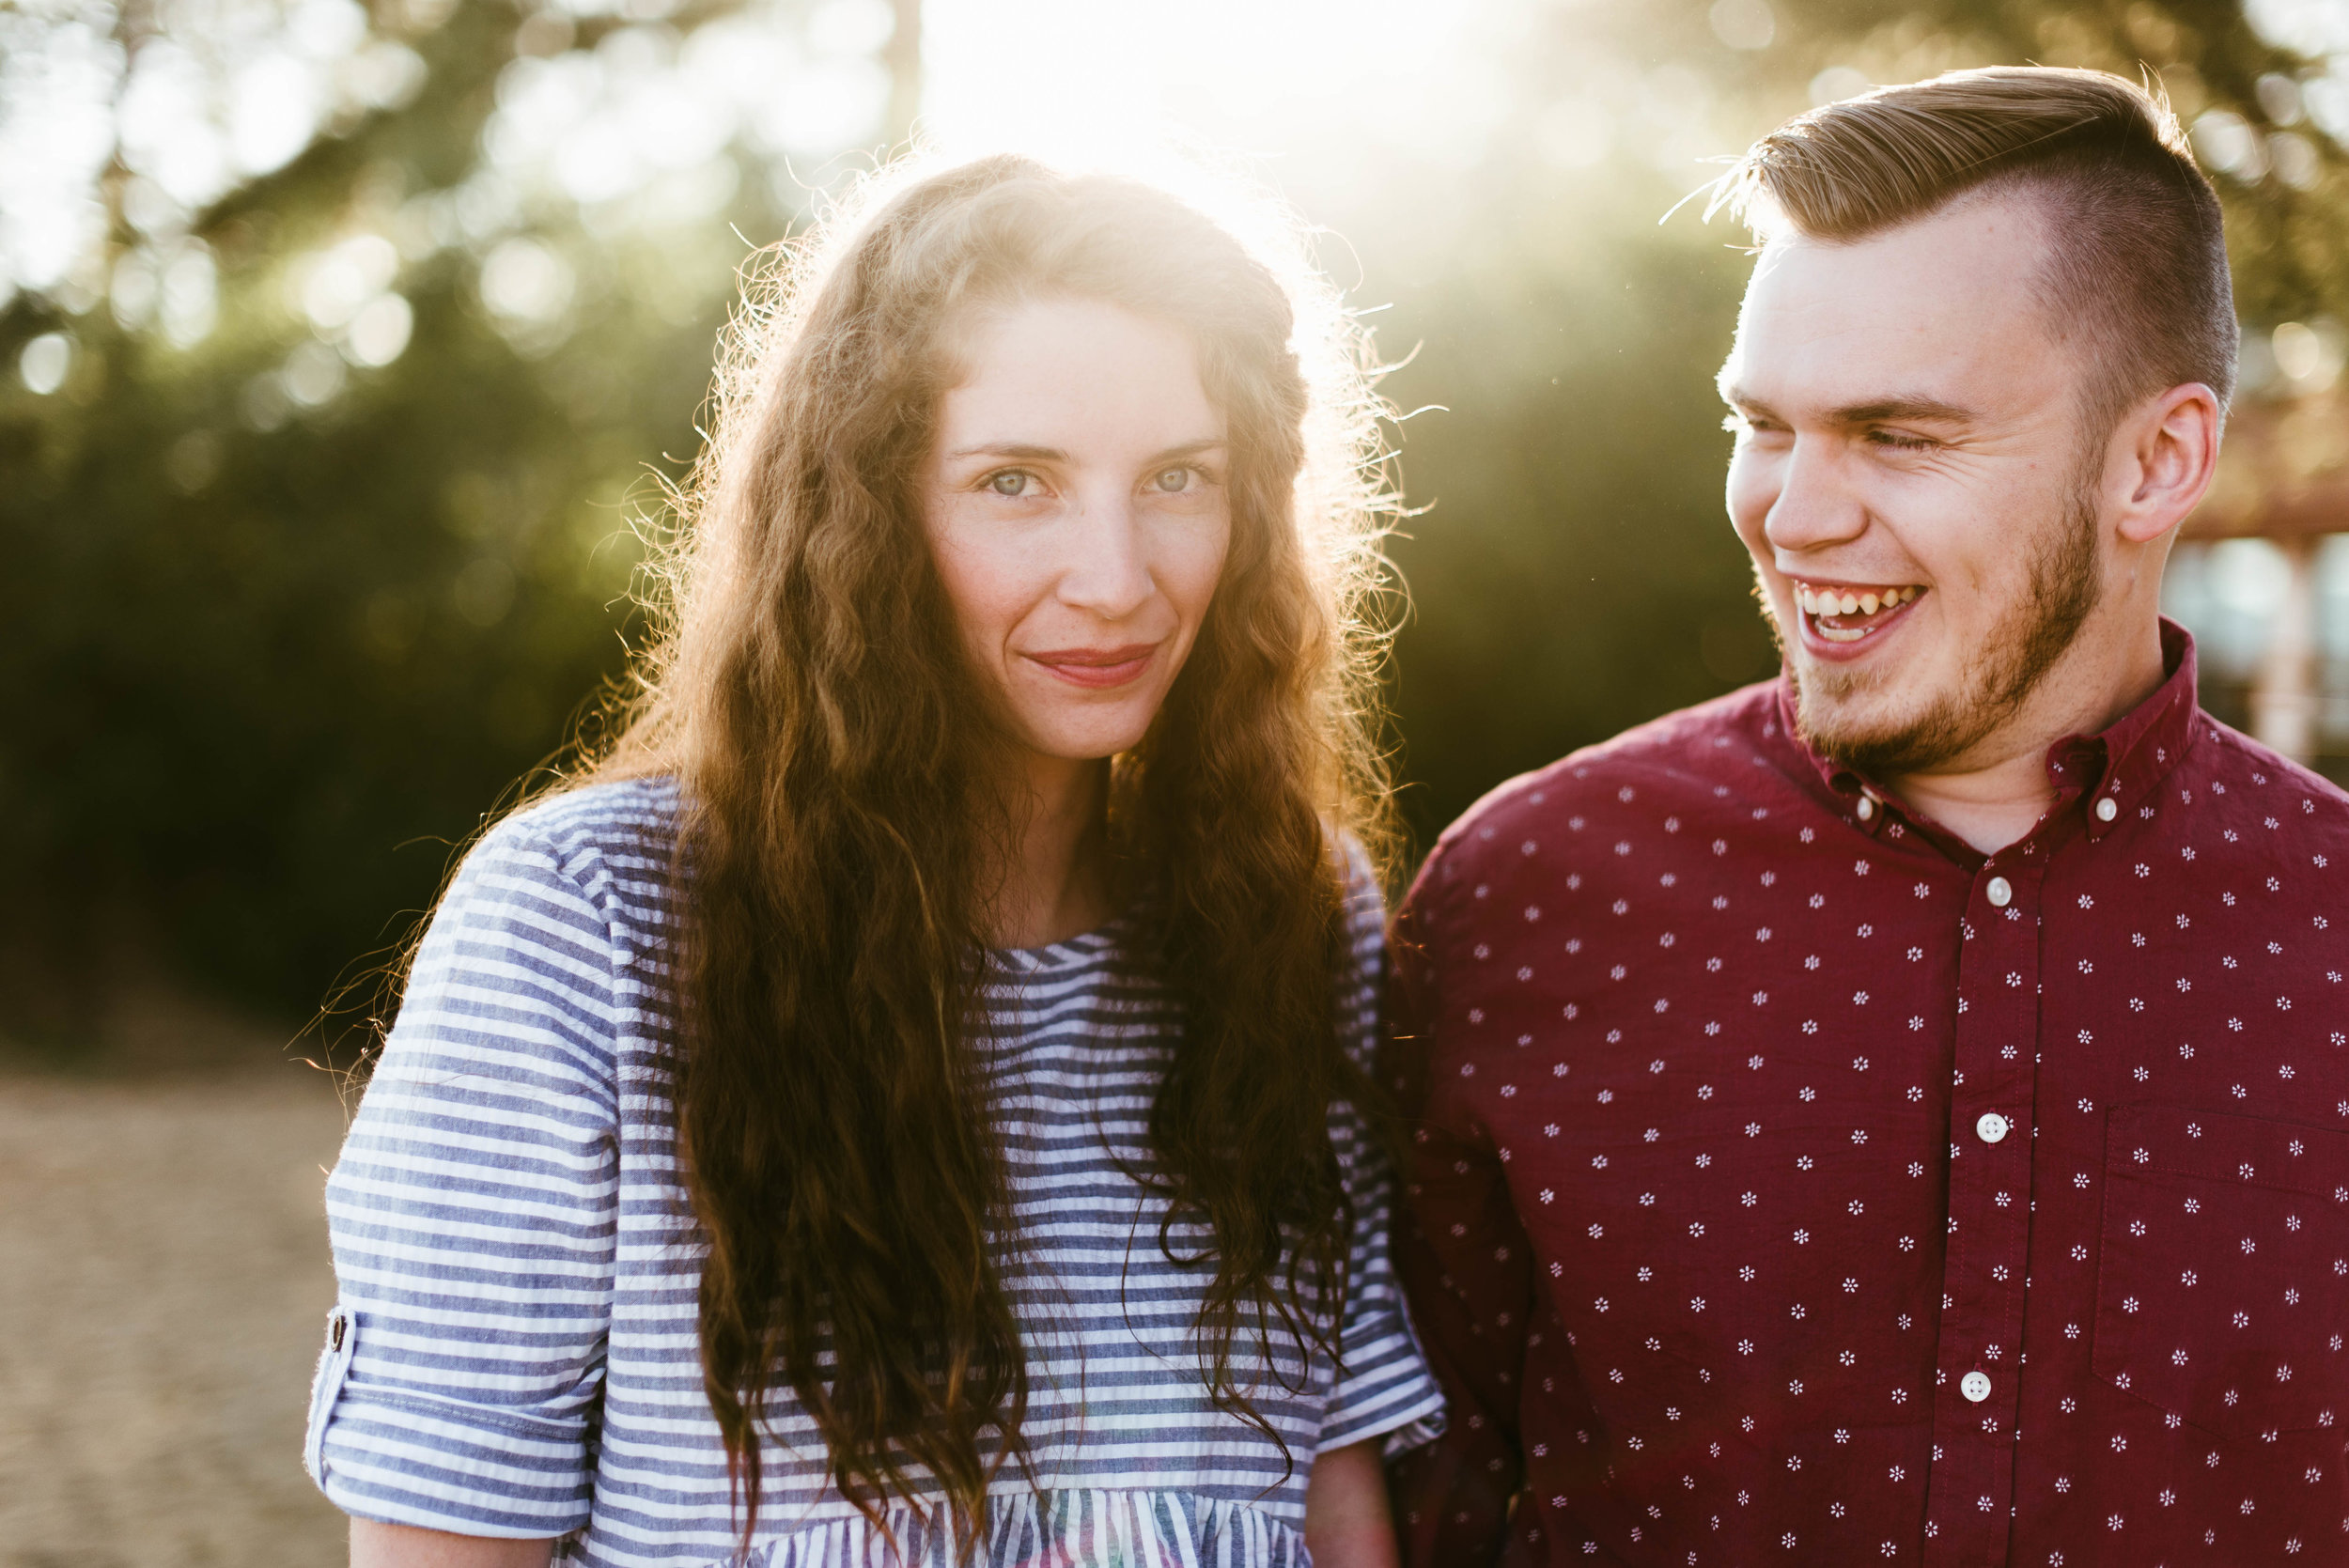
(516, 1352)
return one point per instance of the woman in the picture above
(895, 1109)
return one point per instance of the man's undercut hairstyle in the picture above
(2139, 254)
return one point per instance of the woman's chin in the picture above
(1080, 742)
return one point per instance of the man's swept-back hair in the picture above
(2137, 252)
(837, 1122)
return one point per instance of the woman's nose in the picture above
(1107, 572)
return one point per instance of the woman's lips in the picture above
(1096, 668)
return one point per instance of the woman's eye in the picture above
(1010, 482)
(1173, 479)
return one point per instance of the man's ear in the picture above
(2167, 450)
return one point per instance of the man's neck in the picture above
(1993, 793)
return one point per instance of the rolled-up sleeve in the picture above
(1384, 1387)
(472, 1215)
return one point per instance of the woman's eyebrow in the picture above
(1191, 449)
(1011, 449)
(1024, 452)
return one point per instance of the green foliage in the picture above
(267, 673)
(1572, 573)
(270, 664)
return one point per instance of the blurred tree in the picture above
(322, 452)
(303, 595)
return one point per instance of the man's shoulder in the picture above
(1699, 759)
(2235, 774)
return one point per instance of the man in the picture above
(1902, 1112)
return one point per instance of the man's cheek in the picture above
(1752, 493)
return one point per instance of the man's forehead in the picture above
(1947, 298)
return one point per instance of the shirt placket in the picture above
(1977, 1384)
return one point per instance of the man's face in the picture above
(1910, 478)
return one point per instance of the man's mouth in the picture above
(1851, 612)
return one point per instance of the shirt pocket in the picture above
(2223, 1294)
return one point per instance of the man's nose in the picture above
(1816, 505)
(1107, 573)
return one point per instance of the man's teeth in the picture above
(1831, 601)
(1845, 605)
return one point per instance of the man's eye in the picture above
(1011, 481)
(1902, 441)
(1172, 480)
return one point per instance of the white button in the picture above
(1866, 808)
(1992, 1126)
(1975, 1385)
(2106, 809)
(2002, 895)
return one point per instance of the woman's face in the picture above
(1076, 503)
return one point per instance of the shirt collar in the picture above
(2125, 763)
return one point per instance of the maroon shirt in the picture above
(1795, 1183)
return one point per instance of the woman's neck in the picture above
(1053, 883)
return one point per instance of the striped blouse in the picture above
(513, 1352)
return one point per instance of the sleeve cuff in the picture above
(401, 1459)
(1410, 1415)
(1417, 1434)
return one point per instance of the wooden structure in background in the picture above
(2283, 476)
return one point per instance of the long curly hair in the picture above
(808, 694)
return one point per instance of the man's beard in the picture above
(2004, 671)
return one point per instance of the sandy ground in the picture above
(164, 1280)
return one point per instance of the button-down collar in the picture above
(2125, 763)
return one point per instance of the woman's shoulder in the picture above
(545, 942)
(604, 852)
(1364, 895)
(624, 818)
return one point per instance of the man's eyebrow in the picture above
(1884, 409)
(1875, 412)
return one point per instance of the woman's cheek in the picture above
(984, 578)
(1206, 549)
